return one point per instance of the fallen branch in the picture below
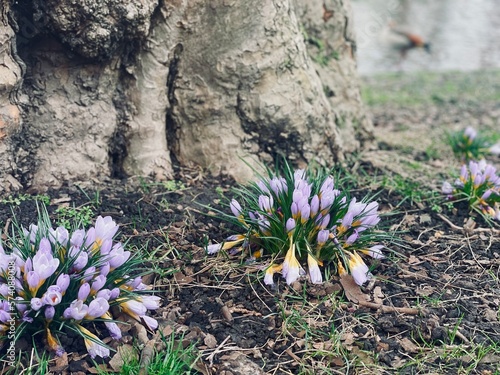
(390, 309)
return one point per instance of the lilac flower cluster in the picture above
(54, 280)
(304, 218)
(479, 184)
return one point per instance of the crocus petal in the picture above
(359, 270)
(36, 304)
(95, 347)
(375, 252)
(63, 282)
(151, 302)
(97, 308)
(214, 248)
(114, 330)
(314, 271)
(150, 322)
(84, 291)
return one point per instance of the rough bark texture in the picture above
(10, 77)
(118, 89)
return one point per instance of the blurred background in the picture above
(461, 35)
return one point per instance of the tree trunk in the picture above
(115, 90)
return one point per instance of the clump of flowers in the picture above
(479, 184)
(469, 145)
(306, 219)
(54, 281)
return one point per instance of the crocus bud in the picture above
(84, 291)
(290, 225)
(114, 330)
(36, 304)
(49, 312)
(63, 282)
(235, 208)
(33, 280)
(115, 293)
(89, 273)
(97, 308)
(151, 302)
(81, 261)
(77, 238)
(117, 256)
(322, 236)
(106, 246)
(104, 293)
(105, 268)
(98, 283)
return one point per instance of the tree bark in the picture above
(115, 90)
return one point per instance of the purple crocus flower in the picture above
(278, 185)
(326, 200)
(151, 302)
(21, 307)
(104, 293)
(36, 303)
(63, 282)
(84, 291)
(81, 261)
(117, 256)
(77, 310)
(44, 263)
(33, 280)
(447, 188)
(105, 268)
(4, 290)
(52, 296)
(322, 236)
(327, 186)
(324, 221)
(265, 203)
(150, 322)
(49, 311)
(470, 133)
(89, 273)
(305, 212)
(235, 208)
(105, 228)
(290, 225)
(263, 187)
(106, 246)
(98, 283)
(114, 330)
(97, 308)
(115, 293)
(77, 238)
(314, 205)
(60, 235)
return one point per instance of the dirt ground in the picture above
(432, 308)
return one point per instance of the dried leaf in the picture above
(210, 341)
(352, 290)
(408, 345)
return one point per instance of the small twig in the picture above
(390, 309)
(210, 358)
(447, 221)
(6, 227)
(462, 337)
(459, 229)
(295, 357)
